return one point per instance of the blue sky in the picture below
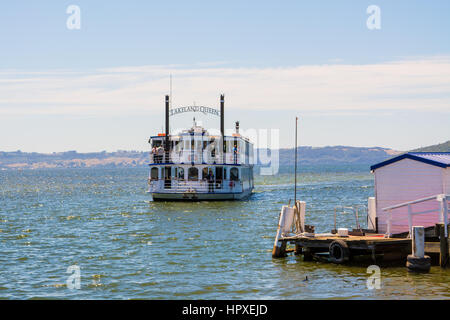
(102, 87)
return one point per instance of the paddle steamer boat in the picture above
(195, 165)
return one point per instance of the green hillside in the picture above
(442, 147)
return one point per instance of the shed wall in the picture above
(403, 181)
(447, 180)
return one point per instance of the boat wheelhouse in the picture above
(197, 165)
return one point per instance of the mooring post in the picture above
(443, 239)
(298, 228)
(418, 242)
(418, 261)
(302, 210)
(297, 217)
(279, 247)
(300, 221)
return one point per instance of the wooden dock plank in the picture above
(400, 247)
(358, 243)
(435, 247)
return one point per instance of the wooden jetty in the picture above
(342, 247)
(408, 219)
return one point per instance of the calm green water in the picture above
(128, 247)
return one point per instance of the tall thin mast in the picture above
(166, 144)
(170, 90)
(295, 179)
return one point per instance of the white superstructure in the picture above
(195, 165)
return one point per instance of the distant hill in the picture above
(72, 159)
(118, 159)
(442, 147)
(336, 155)
(121, 159)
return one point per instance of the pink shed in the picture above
(409, 177)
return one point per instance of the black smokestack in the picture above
(167, 123)
(222, 123)
(222, 115)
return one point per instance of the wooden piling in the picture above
(418, 242)
(307, 254)
(298, 227)
(418, 261)
(279, 247)
(443, 245)
(284, 223)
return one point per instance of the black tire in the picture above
(339, 252)
(418, 264)
(417, 260)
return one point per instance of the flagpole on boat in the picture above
(170, 90)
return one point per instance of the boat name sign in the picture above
(201, 109)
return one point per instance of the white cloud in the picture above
(410, 84)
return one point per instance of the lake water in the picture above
(128, 247)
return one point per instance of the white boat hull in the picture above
(189, 196)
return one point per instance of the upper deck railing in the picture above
(201, 149)
(187, 157)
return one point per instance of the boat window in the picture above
(180, 173)
(234, 174)
(167, 172)
(204, 173)
(156, 143)
(193, 174)
(154, 174)
(247, 151)
(177, 146)
(212, 145)
(229, 146)
(219, 173)
(212, 148)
